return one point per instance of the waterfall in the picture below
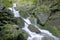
(32, 35)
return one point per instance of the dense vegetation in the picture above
(44, 13)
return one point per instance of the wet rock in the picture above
(33, 20)
(33, 29)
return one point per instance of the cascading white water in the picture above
(16, 13)
(33, 35)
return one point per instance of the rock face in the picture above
(33, 29)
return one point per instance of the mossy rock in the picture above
(33, 20)
(42, 13)
(52, 29)
(33, 29)
(47, 38)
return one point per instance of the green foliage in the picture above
(19, 22)
(22, 36)
(24, 14)
(8, 32)
(12, 32)
(6, 3)
(6, 16)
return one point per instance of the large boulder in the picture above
(42, 13)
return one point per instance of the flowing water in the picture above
(32, 35)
